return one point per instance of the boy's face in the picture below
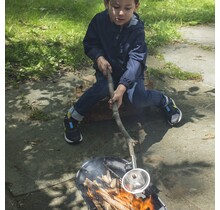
(121, 11)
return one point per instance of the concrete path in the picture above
(41, 167)
(195, 54)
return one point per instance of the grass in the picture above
(173, 71)
(37, 114)
(43, 37)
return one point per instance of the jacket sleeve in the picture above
(136, 62)
(91, 41)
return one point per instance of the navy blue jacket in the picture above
(124, 48)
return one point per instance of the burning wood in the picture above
(108, 195)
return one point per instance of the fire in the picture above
(114, 197)
(136, 203)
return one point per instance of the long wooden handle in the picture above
(131, 142)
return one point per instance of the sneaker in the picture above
(173, 113)
(72, 132)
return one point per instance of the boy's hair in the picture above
(136, 1)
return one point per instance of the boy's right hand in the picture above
(103, 65)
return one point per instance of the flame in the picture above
(125, 198)
(136, 203)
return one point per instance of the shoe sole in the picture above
(73, 142)
(180, 118)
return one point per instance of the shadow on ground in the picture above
(41, 167)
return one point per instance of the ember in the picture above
(108, 194)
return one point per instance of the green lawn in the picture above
(44, 37)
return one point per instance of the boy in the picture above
(115, 41)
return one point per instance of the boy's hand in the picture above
(103, 65)
(118, 96)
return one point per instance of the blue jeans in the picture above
(137, 95)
